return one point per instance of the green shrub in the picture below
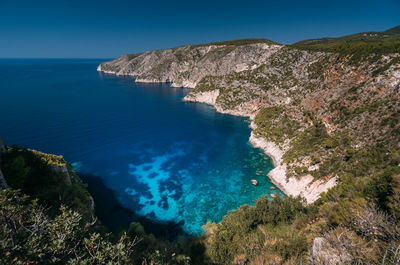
(315, 160)
(381, 187)
(29, 236)
(239, 232)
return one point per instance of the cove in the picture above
(164, 160)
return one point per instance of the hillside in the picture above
(328, 112)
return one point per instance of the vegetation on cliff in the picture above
(32, 173)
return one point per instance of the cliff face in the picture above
(315, 109)
(187, 65)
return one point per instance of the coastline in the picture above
(306, 186)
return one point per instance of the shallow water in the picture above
(164, 159)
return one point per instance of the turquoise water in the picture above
(164, 160)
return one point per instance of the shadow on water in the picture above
(116, 217)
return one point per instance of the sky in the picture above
(110, 28)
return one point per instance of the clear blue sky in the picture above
(106, 29)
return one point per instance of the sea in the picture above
(145, 154)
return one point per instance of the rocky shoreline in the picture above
(305, 186)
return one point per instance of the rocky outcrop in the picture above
(56, 163)
(324, 253)
(207, 97)
(59, 166)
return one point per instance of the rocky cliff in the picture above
(312, 110)
(187, 65)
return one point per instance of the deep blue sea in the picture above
(145, 154)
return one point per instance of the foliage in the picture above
(275, 124)
(306, 141)
(382, 186)
(29, 236)
(356, 46)
(250, 229)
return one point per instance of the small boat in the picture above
(254, 182)
(272, 188)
